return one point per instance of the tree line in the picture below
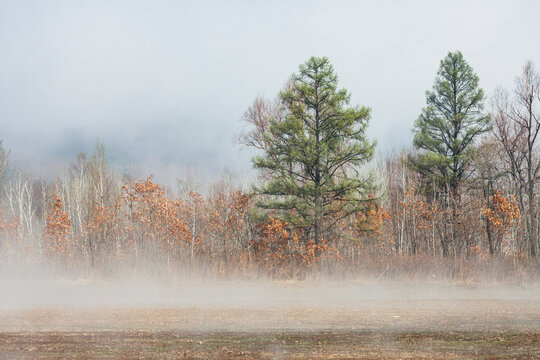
(462, 196)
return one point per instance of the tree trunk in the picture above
(490, 238)
(532, 222)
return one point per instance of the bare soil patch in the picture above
(332, 344)
(303, 324)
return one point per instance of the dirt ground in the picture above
(331, 344)
(438, 324)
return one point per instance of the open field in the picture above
(276, 320)
(331, 344)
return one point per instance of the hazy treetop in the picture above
(164, 83)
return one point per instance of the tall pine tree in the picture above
(446, 130)
(313, 155)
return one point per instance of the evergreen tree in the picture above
(447, 128)
(313, 154)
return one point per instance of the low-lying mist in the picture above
(38, 299)
(43, 289)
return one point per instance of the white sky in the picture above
(164, 83)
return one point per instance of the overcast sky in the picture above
(164, 84)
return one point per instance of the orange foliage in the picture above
(102, 227)
(57, 232)
(503, 212)
(3, 223)
(13, 231)
(371, 224)
(101, 220)
(226, 220)
(372, 220)
(12, 228)
(280, 248)
(157, 218)
(413, 205)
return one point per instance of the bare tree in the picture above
(489, 174)
(21, 201)
(258, 116)
(193, 205)
(79, 188)
(517, 124)
(103, 188)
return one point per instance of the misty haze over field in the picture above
(136, 222)
(164, 84)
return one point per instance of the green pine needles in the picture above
(445, 132)
(313, 155)
(450, 123)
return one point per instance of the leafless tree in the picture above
(517, 124)
(489, 176)
(258, 117)
(21, 201)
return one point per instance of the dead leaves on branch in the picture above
(144, 221)
(58, 241)
(503, 212)
(281, 252)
